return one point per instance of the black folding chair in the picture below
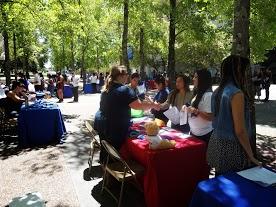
(120, 170)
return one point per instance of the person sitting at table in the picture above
(14, 99)
(179, 97)
(134, 83)
(116, 101)
(229, 147)
(160, 97)
(22, 79)
(199, 113)
(60, 86)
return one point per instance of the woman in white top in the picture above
(199, 113)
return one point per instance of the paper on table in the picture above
(183, 117)
(168, 133)
(260, 175)
(141, 119)
(173, 115)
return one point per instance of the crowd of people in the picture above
(221, 118)
(97, 80)
(24, 89)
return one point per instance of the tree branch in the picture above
(178, 33)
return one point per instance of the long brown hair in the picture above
(116, 71)
(176, 91)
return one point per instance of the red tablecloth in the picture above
(171, 175)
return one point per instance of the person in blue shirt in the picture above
(134, 83)
(116, 102)
(160, 97)
(229, 148)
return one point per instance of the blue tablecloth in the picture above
(40, 123)
(88, 88)
(232, 190)
(67, 91)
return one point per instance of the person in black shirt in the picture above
(266, 83)
(116, 101)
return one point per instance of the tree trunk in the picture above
(172, 37)
(83, 73)
(121, 52)
(72, 55)
(6, 65)
(63, 56)
(98, 60)
(125, 36)
(26, 61)
(7, 71)
(142, 55)
(240, 46)
(15, 55)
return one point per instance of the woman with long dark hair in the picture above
(199, 113)
(180, 96)
(229, 147)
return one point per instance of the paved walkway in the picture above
(60, 172)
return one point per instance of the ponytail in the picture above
(116, 71)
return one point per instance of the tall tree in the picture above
(142, 55)
(241, 47)
(6, 46)
(240, 43)
(15, 55)
(172, 37)
(125, 35)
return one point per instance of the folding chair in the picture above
(120, 170)
(6, 123)
(94, 144)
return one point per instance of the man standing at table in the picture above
(75, 83)
(37, 81)
(94, 82)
